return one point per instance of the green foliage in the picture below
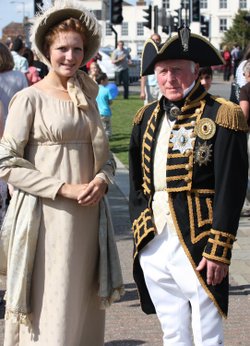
(239, 31)
(123, 112)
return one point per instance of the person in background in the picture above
(32, 75)
(245, 106)
(188, 177)
(226, 54)
(54, 151)
(236, 54)
(206, 76)
(94, 59)
(240, 78)
(94, 70)
(20, 62)
(104, 100)
(40, 66)
(3, 186)
(149, 86)
(11, 81)
(121, 60)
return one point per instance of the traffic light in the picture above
(38, 4)
(195, 11)
(176, 20)
(148, 17)
(116, 11)
(204, 26)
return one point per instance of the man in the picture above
(149, 86)
(188, 177)
(121, 59)
(21, 63)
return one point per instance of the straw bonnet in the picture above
(185, 45)
(61, 10)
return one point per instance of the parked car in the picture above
(108, 67)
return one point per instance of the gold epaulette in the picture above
(139, 115)
(230, 115)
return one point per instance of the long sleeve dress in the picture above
(66, 143)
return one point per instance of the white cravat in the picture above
(160, 203)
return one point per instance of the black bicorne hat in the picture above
(185, 46)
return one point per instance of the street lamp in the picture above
(20, 2)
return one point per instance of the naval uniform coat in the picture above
(206, 176)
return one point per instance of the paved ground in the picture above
(126, 325)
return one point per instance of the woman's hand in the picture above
(93, 193)
(72, 191)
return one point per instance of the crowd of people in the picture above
(188, 168)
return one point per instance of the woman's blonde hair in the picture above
(6, 59)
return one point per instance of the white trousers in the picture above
(186, 314)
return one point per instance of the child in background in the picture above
(94, 70)
(206, 76)
(104, 100)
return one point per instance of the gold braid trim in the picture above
(203, 284)
(139, 115)
(218, 242)
(230, 116)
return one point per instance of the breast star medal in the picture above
(203, 153)
(182, 140)
(205, 128)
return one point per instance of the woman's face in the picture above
(66, 53)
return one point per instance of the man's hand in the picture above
(216, 271)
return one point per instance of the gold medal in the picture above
(205, 128)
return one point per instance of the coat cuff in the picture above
(141, 227)
(219, 246)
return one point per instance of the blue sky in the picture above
(14, 11)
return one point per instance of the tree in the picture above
(239, 31)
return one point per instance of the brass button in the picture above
(187, 179)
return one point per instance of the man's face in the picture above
(174, 76)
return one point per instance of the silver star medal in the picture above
(182, 140)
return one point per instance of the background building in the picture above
(218, 14)
(216, 17)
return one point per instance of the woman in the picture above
(10, 81)
(33, 74)
(245, 106)
(58, 160)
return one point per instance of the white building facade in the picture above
(219, 13)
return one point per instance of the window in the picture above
(98, 14)
(203, 4)
(108, 30)
(242, 4)
(165, 3)
(125, 29)
(140, 29)
(223, 24)
(223, 4)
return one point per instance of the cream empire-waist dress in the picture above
(65, 143)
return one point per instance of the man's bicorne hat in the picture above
(185, 46)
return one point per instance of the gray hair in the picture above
(246, 68)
